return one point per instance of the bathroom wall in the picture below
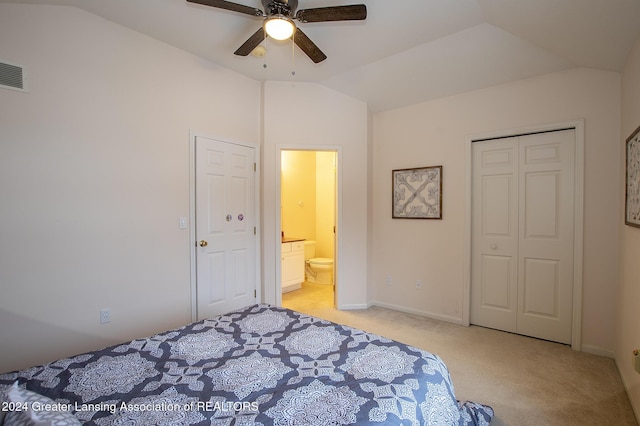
(325, 203)
(298, 194)
(308, 197)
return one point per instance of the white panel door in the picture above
(494, 239)
(545, 270)
(225, 221)
(522, 234)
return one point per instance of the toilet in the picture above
(318, 270)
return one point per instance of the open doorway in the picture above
(308, 206)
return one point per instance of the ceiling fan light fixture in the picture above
(279, 27)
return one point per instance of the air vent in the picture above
(12, 77)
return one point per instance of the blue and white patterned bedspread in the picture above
(259, 365)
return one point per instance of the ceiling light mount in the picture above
(279, 27)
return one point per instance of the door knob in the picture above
(203, 243)
(493, 246)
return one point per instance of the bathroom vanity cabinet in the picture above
(292, 265)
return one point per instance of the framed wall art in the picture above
(632, 180)
(417, 193)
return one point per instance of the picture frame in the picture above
(417, 193)
(632, 180)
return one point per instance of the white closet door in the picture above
(494, 239)
(545, 269)
(522, 234)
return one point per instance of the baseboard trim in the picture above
(594, 350)
(427, 314)
(627, 388)
(353, 307)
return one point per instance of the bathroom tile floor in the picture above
(309, 297)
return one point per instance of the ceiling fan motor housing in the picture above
(276, 7)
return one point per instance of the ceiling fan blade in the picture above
(251, 43)
(308, 46)
(235, 7)
(354, 12)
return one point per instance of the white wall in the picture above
(434, 133)
(304, 115)
(628, 325)
(94, 174)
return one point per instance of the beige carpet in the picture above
(526, 381)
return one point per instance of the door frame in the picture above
(192, 215)
(278, 219)
(578, 125)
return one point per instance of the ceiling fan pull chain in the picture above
(293, 54)
(264, 56)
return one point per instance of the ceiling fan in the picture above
(278, 22)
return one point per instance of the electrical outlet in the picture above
(418, 284)
(105, 316)
(387, 280)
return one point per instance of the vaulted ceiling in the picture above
(406, 51)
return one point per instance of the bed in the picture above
(258, 365)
